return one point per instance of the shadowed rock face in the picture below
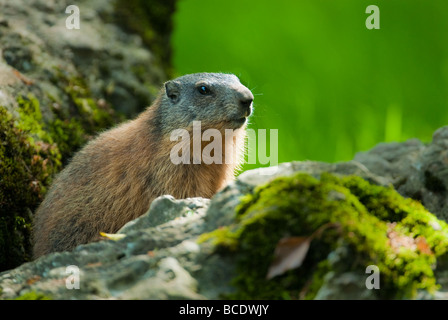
(160, 257)
(416, 170)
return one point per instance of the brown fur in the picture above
(114, 179)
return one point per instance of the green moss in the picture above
(92, 114)
(31, 153)
(32, 295)
(27, 165)
(370, 220)
(31, 122)
(68, 135)
(34, 148)
(62, 136)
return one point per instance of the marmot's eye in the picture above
(204, 90)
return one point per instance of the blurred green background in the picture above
(328, 84)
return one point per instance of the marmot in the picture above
(114, 178)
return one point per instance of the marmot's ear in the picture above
(172, 89)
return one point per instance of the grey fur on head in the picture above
(212, 98)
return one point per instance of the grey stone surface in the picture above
(37, 48)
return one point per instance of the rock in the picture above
(155, 260)
(162, 256)
(61, 86)
(164, 209)
(416, 170)
(171, 282)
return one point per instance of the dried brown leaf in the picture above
(289, 254)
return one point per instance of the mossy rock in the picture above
(376, 224)
(61, 88)
(32, 152)
(25, 170)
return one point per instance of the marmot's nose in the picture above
(246, 97)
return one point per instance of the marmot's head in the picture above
(217, 100)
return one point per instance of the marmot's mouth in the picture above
(237, 123)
